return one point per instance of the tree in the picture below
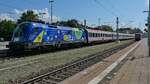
(130, 30)
(6, 29)
(73, 23)
(106, 28)
(137, 30)
(28, 16)
(126, 30)
(60, 23)
(69, 23)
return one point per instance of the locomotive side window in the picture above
(35, 30)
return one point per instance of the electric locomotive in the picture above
(33, 35)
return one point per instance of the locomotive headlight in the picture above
(30, 44)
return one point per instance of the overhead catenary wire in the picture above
(113, 10)
(107, 10)
(113, 7)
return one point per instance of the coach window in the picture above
(107, 35)
(92, 34)
(98, 34)
(102, 35)
(89, 34)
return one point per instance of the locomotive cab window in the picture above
(20, 33)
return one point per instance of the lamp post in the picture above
(51, 3)
(149, 28)
(148, 22)
(117, 29)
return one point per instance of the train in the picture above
(138, 36)
(35, 35)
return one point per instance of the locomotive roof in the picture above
(100, 31)
(49, 26)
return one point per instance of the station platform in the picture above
(136, 69)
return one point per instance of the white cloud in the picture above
(6, 16)
(43, 14)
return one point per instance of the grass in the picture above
(41, 62)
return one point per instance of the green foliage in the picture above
(106, 28)
(28, 16)
(73, 23)
(69, 23)
(6, 29)
(130, 30)
(137, 30)
(126, 30)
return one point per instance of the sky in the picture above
(130, 12)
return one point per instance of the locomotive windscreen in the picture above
(19, 34)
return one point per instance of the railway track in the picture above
(56, 76)
(6, 53)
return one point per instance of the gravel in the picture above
(17, 68)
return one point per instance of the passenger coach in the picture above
(103, 36)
